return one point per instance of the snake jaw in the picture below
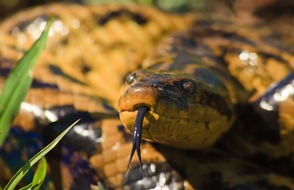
(137, 137)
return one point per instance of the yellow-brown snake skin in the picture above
(212, 122)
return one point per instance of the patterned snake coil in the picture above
(204, 86)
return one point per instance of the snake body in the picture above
(192, 83)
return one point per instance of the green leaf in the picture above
(18, 83)
(27, 187)
(21, 172)
(40, 174)
(99, 186)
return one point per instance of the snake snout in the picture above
(136, 97)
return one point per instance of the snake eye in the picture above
(189, 85)
(131, 78)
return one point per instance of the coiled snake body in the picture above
(195, 85)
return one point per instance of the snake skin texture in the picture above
(90, 52)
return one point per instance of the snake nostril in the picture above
(189, 85)
(159, 87)
(131, 78)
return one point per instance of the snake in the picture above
(209, 102)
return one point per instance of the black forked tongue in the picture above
(137, 137)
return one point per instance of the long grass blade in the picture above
(18, 83)
(21, 172)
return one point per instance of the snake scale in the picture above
(201, 82)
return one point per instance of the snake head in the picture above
(182, 111)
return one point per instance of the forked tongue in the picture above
(137, 136)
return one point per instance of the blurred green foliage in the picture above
(11, 6)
